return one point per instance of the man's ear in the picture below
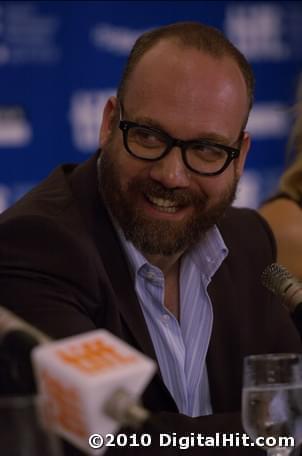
(107, 124)
(245, 146)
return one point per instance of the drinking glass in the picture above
(25, 429)
(272, 400)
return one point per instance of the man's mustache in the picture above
(181, 197)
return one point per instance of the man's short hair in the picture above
(194, 35)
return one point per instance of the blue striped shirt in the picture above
(181, 346)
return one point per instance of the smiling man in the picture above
(142, 239)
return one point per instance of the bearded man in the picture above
(142, 240)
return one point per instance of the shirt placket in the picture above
(170, 338)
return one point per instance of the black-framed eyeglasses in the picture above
(203, 157)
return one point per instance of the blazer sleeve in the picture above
(45, 276)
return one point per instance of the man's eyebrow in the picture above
(148, 122)
(208, 136)
(215, 138)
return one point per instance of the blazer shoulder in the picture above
(44, 233)
(48, 198)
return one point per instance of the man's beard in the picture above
(150, 235)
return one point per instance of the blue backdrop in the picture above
(59, 61)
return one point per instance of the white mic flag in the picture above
(79, 374)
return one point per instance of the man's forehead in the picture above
(170, 55)
(170, 51)
(182, 72)
(181, 65)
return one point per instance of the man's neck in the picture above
(166, 263)
(169, 266)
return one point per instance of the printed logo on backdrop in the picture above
(255, 186)
(265, 31)
(27, 35)
(118, 40)
(85, 116)
(15, 129)
(248, 191)
(269, 120)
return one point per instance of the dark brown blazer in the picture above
(62, 269)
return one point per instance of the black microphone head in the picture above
(275, 277)
(287, 287)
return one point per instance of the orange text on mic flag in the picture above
(94, 356)
(65, 408)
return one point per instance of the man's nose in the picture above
(171, 170)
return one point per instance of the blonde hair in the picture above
(291, 181)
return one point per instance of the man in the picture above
(141, 238)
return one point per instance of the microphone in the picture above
(17, 339)
(288, 287)
(92, 383)
(10, 324)
(89, 383)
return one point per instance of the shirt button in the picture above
(166, 319)
(150, 275)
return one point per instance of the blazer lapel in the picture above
(223, 366)
(85, 187)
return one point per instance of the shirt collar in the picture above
(207, 255)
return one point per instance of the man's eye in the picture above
(207, 152)
(146, 137)
(198, 148)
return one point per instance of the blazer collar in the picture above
(85, 188)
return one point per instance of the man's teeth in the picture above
(163, 204)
